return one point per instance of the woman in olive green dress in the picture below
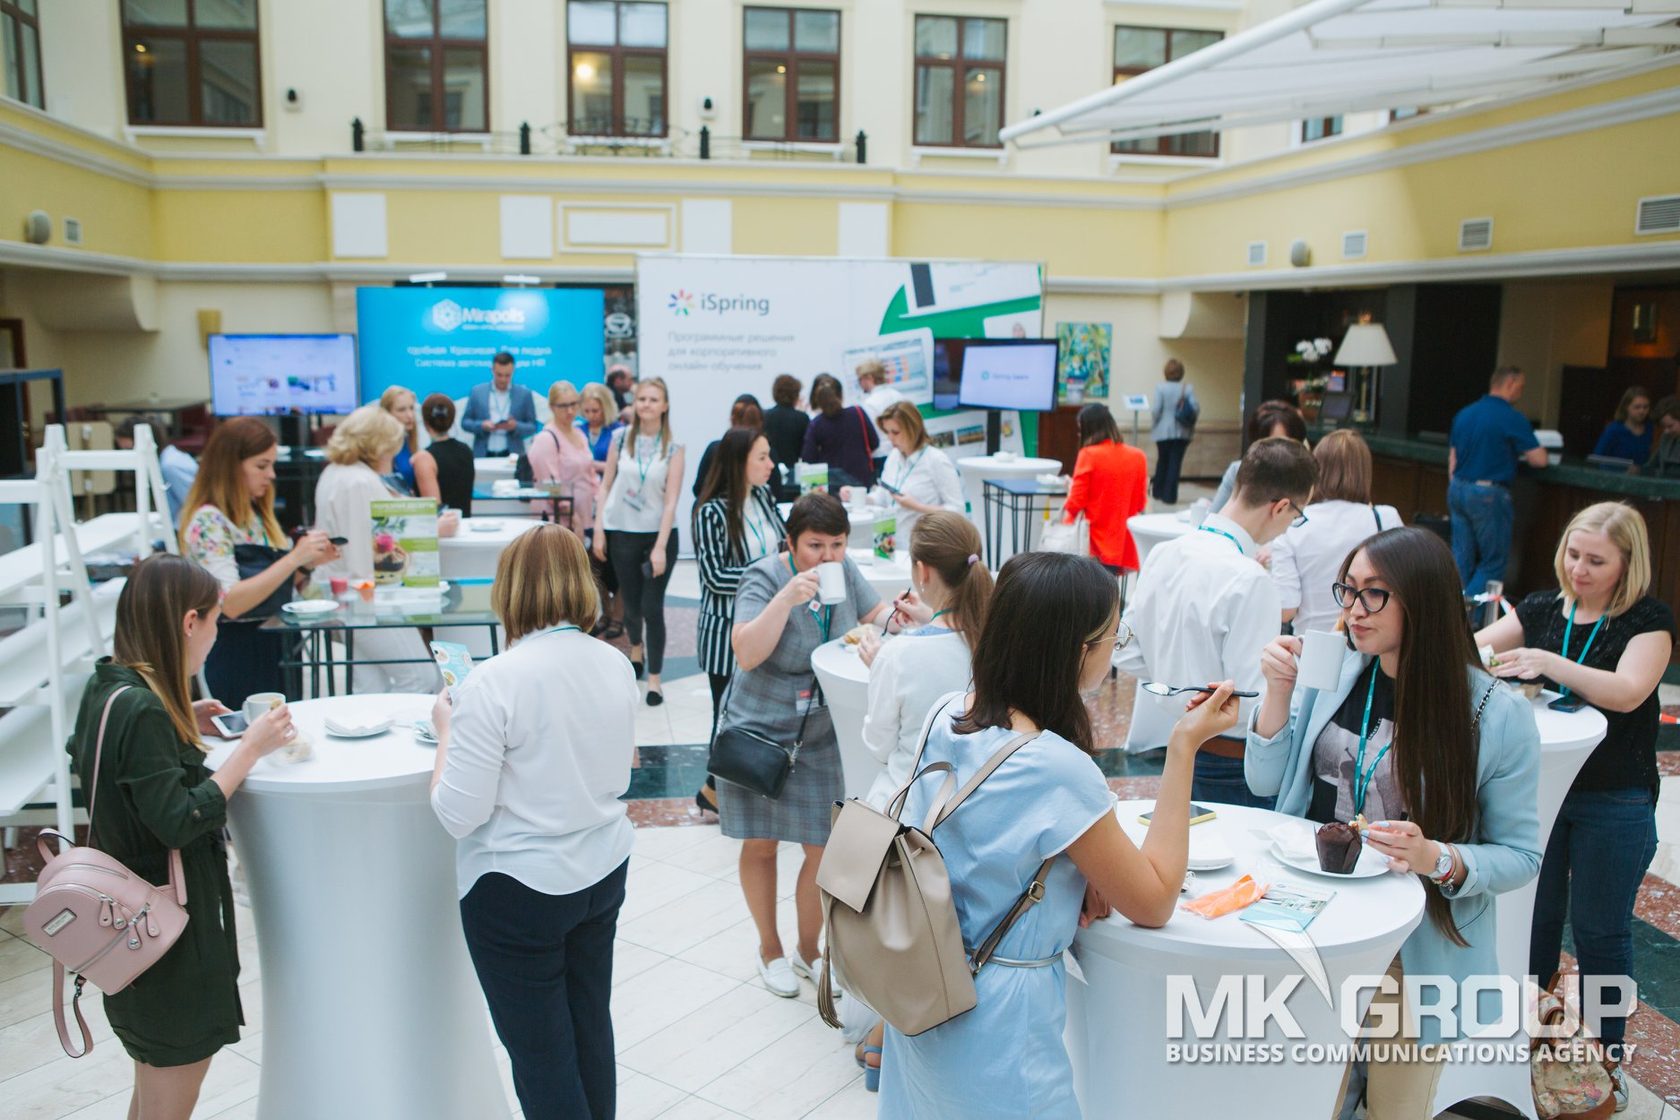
(155, 793)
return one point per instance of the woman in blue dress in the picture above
(1050, 632)
(1628, 435)
(400, 402)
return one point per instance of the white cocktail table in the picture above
(370, 1004)
(845, 684)
(1151, 529)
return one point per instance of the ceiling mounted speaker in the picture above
(37, 228)
(1300, 254)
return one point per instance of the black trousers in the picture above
(1169, 457)
(719, 682)
(643, 598)
(545, 964)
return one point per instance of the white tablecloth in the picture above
(976, 469)
(472, 553)
(1566, 739)
(1118, 1020)
(370, 1005)
(889, 578)
(1151, 529)
(845, 684)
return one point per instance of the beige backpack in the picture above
(891, 923)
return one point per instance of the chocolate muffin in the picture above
(1338, 847)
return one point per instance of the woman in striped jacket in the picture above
(735, 524)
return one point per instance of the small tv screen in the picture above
(282, 374)
(947, 365)
(1008, 374)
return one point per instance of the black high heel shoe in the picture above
(700, 799)
(637, 665)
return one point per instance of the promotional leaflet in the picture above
(886, 534)
(811, 477)
(405, 542)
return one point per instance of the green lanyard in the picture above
(558, 629)
(1567, 630)
(909, 466)
(643, 466)
(936, 614)
(753, 524)
(1361, 776)
(824, 616)
(1223, 533)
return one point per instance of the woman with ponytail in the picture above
(946, 608)
(1441, 760)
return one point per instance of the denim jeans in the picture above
(1607, 838)
(1481, 532)
(1221, 779)
(545, 964)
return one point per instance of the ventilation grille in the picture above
(1256, 252)
(73, 231)
(1659, 215)
(1353, 244)
(1474, 234)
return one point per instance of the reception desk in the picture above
(1411, 476)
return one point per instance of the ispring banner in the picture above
(441, 340)
(716, 327)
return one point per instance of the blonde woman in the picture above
(531, 764)
(153, 793)
(559, 453)
(643, 480)
(228, 528)
(402, 404)
(916, 478)
(1602, 639)
(598, 420)
(358, 457)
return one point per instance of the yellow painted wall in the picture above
(786, 226)
(241, 226)
(1545, 325)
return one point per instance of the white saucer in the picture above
(482, 525)
(340, 731)
(1371, 864)
(306, 607)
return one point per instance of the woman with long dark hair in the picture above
(735, 525)
(1110, 485)
(1050, 632)
(153, 793)
(1603, 638)
(1440, 759)
(228, 527)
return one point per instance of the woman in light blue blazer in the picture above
(1441, 759)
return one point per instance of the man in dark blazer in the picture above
(500, 415)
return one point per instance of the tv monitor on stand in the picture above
(291, 377)
(1007, 375)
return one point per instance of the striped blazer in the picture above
(720, 577)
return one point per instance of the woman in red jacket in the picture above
(1109, 485)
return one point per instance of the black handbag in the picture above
(754, 762)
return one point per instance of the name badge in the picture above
(633, 500)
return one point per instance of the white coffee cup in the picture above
(259, 702)
(1320, 666)
(831, 582)
(1199, 511)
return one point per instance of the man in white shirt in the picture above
(1204, 609)
(500, 415)
(878, 396)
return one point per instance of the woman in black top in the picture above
(444, 470)
(1602, 640)
(785, 424)
(153, 793)
(843, 438)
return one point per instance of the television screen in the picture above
(278, 374)
(1006, 374)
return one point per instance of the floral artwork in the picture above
(1083, 355)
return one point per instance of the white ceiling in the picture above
(1330, 57)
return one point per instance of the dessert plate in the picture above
(303, 608)
(1371, 863)
(365, 731)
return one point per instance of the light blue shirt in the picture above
(1005, 1058)
(179, 469)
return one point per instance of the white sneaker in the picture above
(778, 977)
(1618, 1081)
(809, 970)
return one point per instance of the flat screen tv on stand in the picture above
(288, 376)
(1007, 375)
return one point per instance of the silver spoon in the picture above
(1160, 688)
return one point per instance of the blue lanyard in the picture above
(558, 629)
(824, 615)
(1362, 777)
(1223, 533)
(909, 467)
(1567, 630)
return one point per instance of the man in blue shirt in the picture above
(177, 467)
(1489, 438)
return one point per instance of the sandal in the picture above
(871, 1073)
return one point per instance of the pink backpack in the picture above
(97, 918)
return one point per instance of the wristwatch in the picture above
(1443, 865)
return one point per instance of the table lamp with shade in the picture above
(1366, 346)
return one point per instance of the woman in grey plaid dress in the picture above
(775, 631)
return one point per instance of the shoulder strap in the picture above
(895, 804)
(98, 753)
(75, 1006)
(1476, 720)
(1377, 517)
(938, 814)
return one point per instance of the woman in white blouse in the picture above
(1308, 558)
(918, 476)
(358, 455)
(643, 481)
(533, 757)
(950, 589)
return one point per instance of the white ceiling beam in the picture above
(1586, 37)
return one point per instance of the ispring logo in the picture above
(448, 315)
(685, 303)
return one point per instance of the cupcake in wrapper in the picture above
(1338, 847)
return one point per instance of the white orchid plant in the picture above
(1309, 350)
